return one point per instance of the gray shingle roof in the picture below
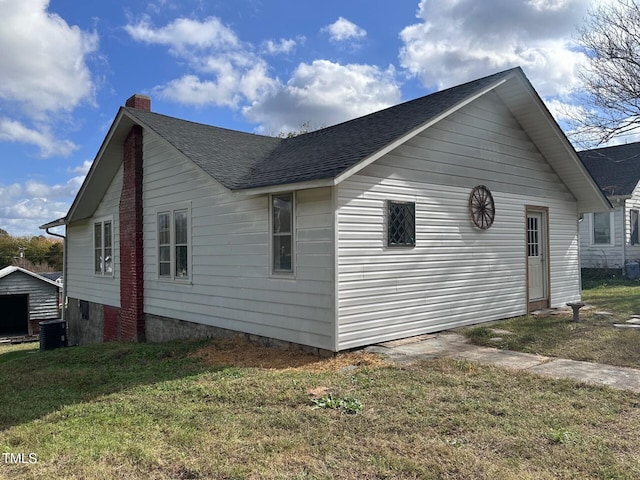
(241, 160)
(615, 169)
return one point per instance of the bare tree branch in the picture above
(611, 40)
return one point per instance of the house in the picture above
(452, 209)
(26, 299)
(609, 240)
(53, 276)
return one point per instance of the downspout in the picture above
(579, 220)
(64, 269)
(624, 237)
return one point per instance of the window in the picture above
(602, 228)
(173, 244)
(633, 226)
(282, 233)
(402, 224)
(533, 233)
(103, 247)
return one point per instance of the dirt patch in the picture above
(240, 353)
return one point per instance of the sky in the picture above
(260, 66)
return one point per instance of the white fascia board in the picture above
(89, 178)
(564, 141)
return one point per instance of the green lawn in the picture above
(593, 339)
(222, 410)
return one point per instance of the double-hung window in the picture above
(174, 244)
(282, 227)
(602, 228)
(103, 247)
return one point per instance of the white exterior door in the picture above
(536, 255)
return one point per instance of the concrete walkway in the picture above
(456, 346)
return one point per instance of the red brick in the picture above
(131, 251)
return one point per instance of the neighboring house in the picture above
(26, 299)
(53, 276)
(609, 240)
(452, 209)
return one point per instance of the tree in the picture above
(54, 255)
(611, 76)
(36, 249)
(306, 127)
(9, 248)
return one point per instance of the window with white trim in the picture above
(602, 228)
(282, 227)
(103, 247)
(174, 244)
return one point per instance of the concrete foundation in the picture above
(89, 322)
(85, 324)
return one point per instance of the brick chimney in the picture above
(132, 326)
(141, 102)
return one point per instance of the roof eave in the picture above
(101, 173)
(13, 269)
(55, 223)
(286, 187)
(567, 165)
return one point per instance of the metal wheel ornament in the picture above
(481, 207)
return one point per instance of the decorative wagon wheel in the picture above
(482, 208)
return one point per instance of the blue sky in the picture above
(257, 66)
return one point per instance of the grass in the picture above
(227, 410)
(224, 410)
(592, 339)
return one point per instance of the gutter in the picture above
(58, 223)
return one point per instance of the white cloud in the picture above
(14, 131)
(460, 40)
(342, 30)
(43, 76)
(283, 46)
(223, 71)
(26, 206)
(183, 34)
(325, 93)
(81, 169)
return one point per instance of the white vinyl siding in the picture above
(82, 281)
(231, 283)
(456, 274)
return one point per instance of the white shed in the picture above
(455, 208)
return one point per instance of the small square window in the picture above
(402, 224)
